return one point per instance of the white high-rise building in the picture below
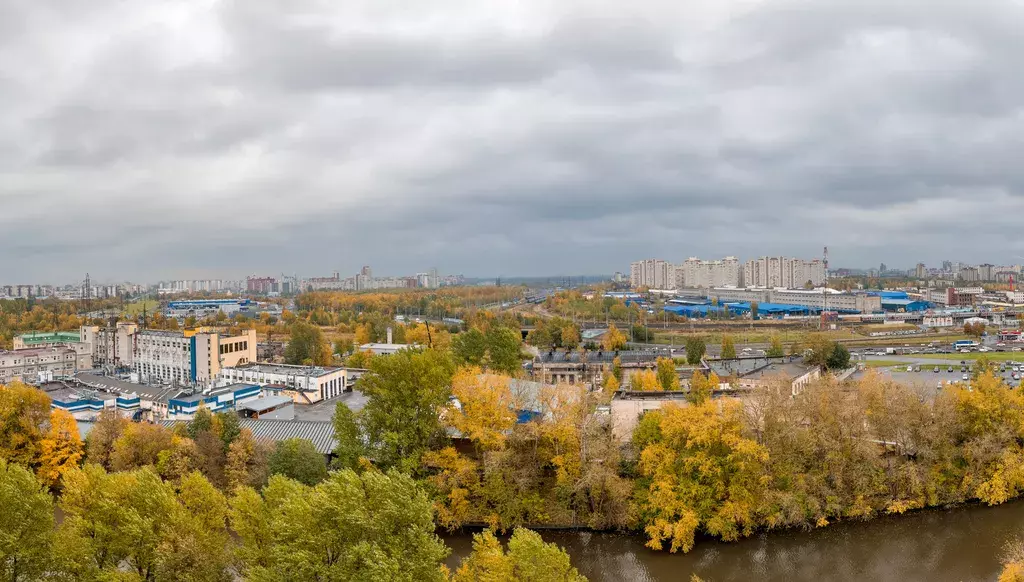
(700, 274)
(653, 274)
(783, 272)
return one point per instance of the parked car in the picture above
(917, 368)
(950, 369)
(965, 377)
(936, 370)
(910, 368)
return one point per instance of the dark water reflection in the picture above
(961, 544)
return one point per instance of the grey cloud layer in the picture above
(501, 137)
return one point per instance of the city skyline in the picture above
(232, 138)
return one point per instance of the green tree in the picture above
(307, 346)
(775, 348)
(133, 520)
(405, 395)
(728, 348)
(347, 435)
(504, 346)
(247, 462)
(99, 445)
(839, 358)
(298, 459)
(202, 421)
(640, 333)
(360, 527)
(140, 445)
(529, 559)
(754, 309)
(667, 376)
(617, 369)
(695, 349)
(469, 347)
(343, 346)
(826, 353)
(26, 525)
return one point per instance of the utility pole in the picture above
(825, 292)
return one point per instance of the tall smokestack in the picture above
(389, 336)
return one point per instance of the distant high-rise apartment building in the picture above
(652, 273)
(697, 273)
(783, 272)
(920, 271)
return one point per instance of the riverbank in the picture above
(963, 543)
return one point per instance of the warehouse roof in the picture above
(265, 403)
(321, 434)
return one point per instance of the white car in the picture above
(965, 377)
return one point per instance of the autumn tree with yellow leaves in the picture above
(700, 473)
(613, 339)
(61, 448)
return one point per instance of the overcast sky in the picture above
(194, 138)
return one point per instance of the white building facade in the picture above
(652, 273)
(303, 384)
(783, 272)
(698, 273)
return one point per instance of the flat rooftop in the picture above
(288, 369)
(39, 351)
(323, 411)
(265, 403)
(69, 394)
(50, 336)
(119, 386)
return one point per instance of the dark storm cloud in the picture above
(160, 139)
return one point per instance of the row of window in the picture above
(234, 347)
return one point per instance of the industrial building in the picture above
(152, 400)
(46, 339)
(36, 365)
(815, 299)
(321, 434)
(191, 357)
(302, 384)
(185, 406)
(200, 308)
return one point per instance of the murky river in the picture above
(941, 545)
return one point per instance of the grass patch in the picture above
(991, 356)
(151, 306)
(890, 327)
(882, 363)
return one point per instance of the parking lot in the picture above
(928, 377)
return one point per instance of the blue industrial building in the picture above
(218, 399)
(742, 308)
(242, 303)
(904, 305)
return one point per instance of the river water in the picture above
(960, 544)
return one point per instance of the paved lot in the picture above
(927, 377)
